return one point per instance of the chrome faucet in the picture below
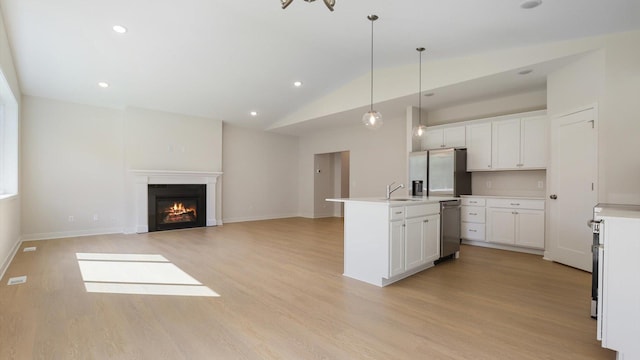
(390, 190)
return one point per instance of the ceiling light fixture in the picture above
(330, 3)
(297, 84)
(254, 113)
(530, 4)
(372, 119)
(103, 84)
(419, 130)
(119, 29)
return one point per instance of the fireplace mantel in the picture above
(142, 178)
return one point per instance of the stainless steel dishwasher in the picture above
(449, 228)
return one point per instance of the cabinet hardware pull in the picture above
(473, 230)
(515, 204)
(473, 202)
(426, 221)
(398, 212)
(473, 214)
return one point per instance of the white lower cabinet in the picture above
(472, 219)
(413, 241)
(510, 222)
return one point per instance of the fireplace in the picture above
(176, 206)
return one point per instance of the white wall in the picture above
(9, 208)
(620, 122)
(495, 106)
(72, 161)
(509, 183)
(376, 158)
(156, 140)
(76, 160)
(260, 178)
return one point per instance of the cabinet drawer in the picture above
(516, 204)
(472, 231)
(422, 210)
(473, 201)
(396, 213)
(473, 214)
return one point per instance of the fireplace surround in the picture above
(141, 179)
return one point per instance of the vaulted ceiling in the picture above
(224, 59)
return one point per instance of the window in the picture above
(8, 140)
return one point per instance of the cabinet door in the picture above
(534, 142)
(501, 226)
(479, 147)
(414, 250)
(454, 137)
(396, 248)
(433, 139)
(506, 144)
(530, 228)
(431, 233)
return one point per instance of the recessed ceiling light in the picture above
(525, 72)
(429, 94)
(254, 113)
(119, 29)
(103, 84)
(530, 4)
(297, 84)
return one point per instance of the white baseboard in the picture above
(503, 247)
(5, 264)
(67, 234)
(259, 218)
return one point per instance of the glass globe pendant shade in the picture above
(419, 131)
(372, 120)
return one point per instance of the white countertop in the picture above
(395, 201)
(503, 197)
(617, 210)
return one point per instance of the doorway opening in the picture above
(330, 180)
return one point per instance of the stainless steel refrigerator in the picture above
(443, 172)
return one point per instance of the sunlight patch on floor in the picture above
(145, 274)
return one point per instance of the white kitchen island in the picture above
(389, 240)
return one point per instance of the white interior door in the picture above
(573, 174)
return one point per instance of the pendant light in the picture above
(419, 130)
(372, 119)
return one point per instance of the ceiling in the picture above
(224, 59)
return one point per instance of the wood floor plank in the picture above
(283, 296)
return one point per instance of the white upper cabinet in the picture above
(506, 144)
(519, 143)
(534, 142)
(444, 138)
(479, 147)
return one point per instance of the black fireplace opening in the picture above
(177, 206)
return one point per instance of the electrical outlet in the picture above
(71, 218)
(95, 217)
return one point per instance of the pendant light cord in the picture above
(372, 18)
(420, 50)
(420, 88)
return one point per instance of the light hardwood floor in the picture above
(283, 296)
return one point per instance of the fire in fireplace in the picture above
(176, 206)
